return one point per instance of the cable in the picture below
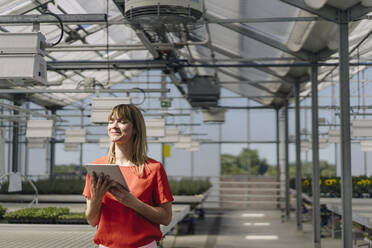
(61, 26)
(144, 95)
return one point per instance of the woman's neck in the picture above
(123, 153)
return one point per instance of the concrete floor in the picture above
(218, 229)
(238, 229)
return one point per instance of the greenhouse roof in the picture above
(257, 49)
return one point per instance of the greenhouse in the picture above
(185, 123)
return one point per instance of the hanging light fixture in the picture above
(171, 136)
(155, 127)
(334, 136)
(75, 136)
(361, 128)
(102, 106)
(39, 129)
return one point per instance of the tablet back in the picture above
(112, 170)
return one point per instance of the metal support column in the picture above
(298, 160)
(346, 181)
(52, 152)
(192, 158)
(315, 147)
(364, 111)
(277, 154)
(15, 144)
(334, 102)
(81, 144)
(26, 163)
(286, 149)
(249, 171)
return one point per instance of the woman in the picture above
(128, 219)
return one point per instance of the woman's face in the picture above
(120, 131)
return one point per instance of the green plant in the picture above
(187, 186)
(37, 213)
(50, 186)
(2, 211)
(72, 216)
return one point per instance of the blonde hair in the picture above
(139, 150)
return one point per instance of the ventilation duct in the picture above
(21, 59)
(203, 91)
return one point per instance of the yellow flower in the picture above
(306, 182)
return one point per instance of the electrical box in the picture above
(21, 59)
(203, 91)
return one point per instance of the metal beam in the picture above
(161, 64)
(358, 11)
(315, 148)
(19, 109)
(66, 19)
(298, 160)
(260, 20)
(346, 180)
(327, 12)
(143, 37)
(32, 91)
(277, 65)
(112, 64)
(243, 30)
(90, 47)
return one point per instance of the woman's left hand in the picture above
(122, 195)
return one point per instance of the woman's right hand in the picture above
(99, 186)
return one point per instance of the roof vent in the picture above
(154, 14)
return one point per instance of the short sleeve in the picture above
(86, 191)
(162, 190)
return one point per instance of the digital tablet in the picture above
(112, 170)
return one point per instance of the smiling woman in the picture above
(120, 214)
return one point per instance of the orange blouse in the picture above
(120, 226)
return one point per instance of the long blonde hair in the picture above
(139, 150)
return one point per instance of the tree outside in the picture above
(248, 162)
